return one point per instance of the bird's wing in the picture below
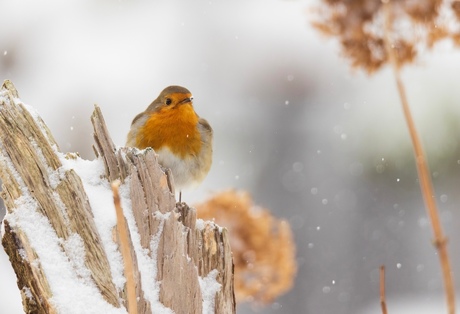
(204, 124)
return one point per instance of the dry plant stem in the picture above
(125, 250)
(383, 303)
(426, 186)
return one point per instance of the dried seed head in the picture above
(359, 26)
(262, 246)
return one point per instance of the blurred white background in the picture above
(321, 145)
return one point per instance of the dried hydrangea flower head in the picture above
(359, 26)
(263, 246)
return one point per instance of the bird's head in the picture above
(171, 98)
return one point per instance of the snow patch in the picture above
(147, 265)
(53, 175)
(75, 250)
(209, 287)
(59, 269)
(2, 228)
(200, 224)
(100, 196)
(28, 293)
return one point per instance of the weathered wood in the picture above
(215, 253)
(184, 252)
(30, 168)
(34, 287)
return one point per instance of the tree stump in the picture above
(57, 242)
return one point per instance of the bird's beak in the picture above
(186, 100)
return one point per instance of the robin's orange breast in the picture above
(174, 128)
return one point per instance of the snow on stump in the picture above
(63, 239)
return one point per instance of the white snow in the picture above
(57, 265)
(200, 224)
(53, 176)
(67, 268)
(62, 268)
(75, 250)
(63, 260)
(147, 265)
(2, 230)
(101, 199)
(209, 287)
(28, 293)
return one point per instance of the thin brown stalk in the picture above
(440, 241)
(125, 250)
(383, 303)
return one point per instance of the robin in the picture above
(182, 140)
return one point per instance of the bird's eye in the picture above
(168, 101)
